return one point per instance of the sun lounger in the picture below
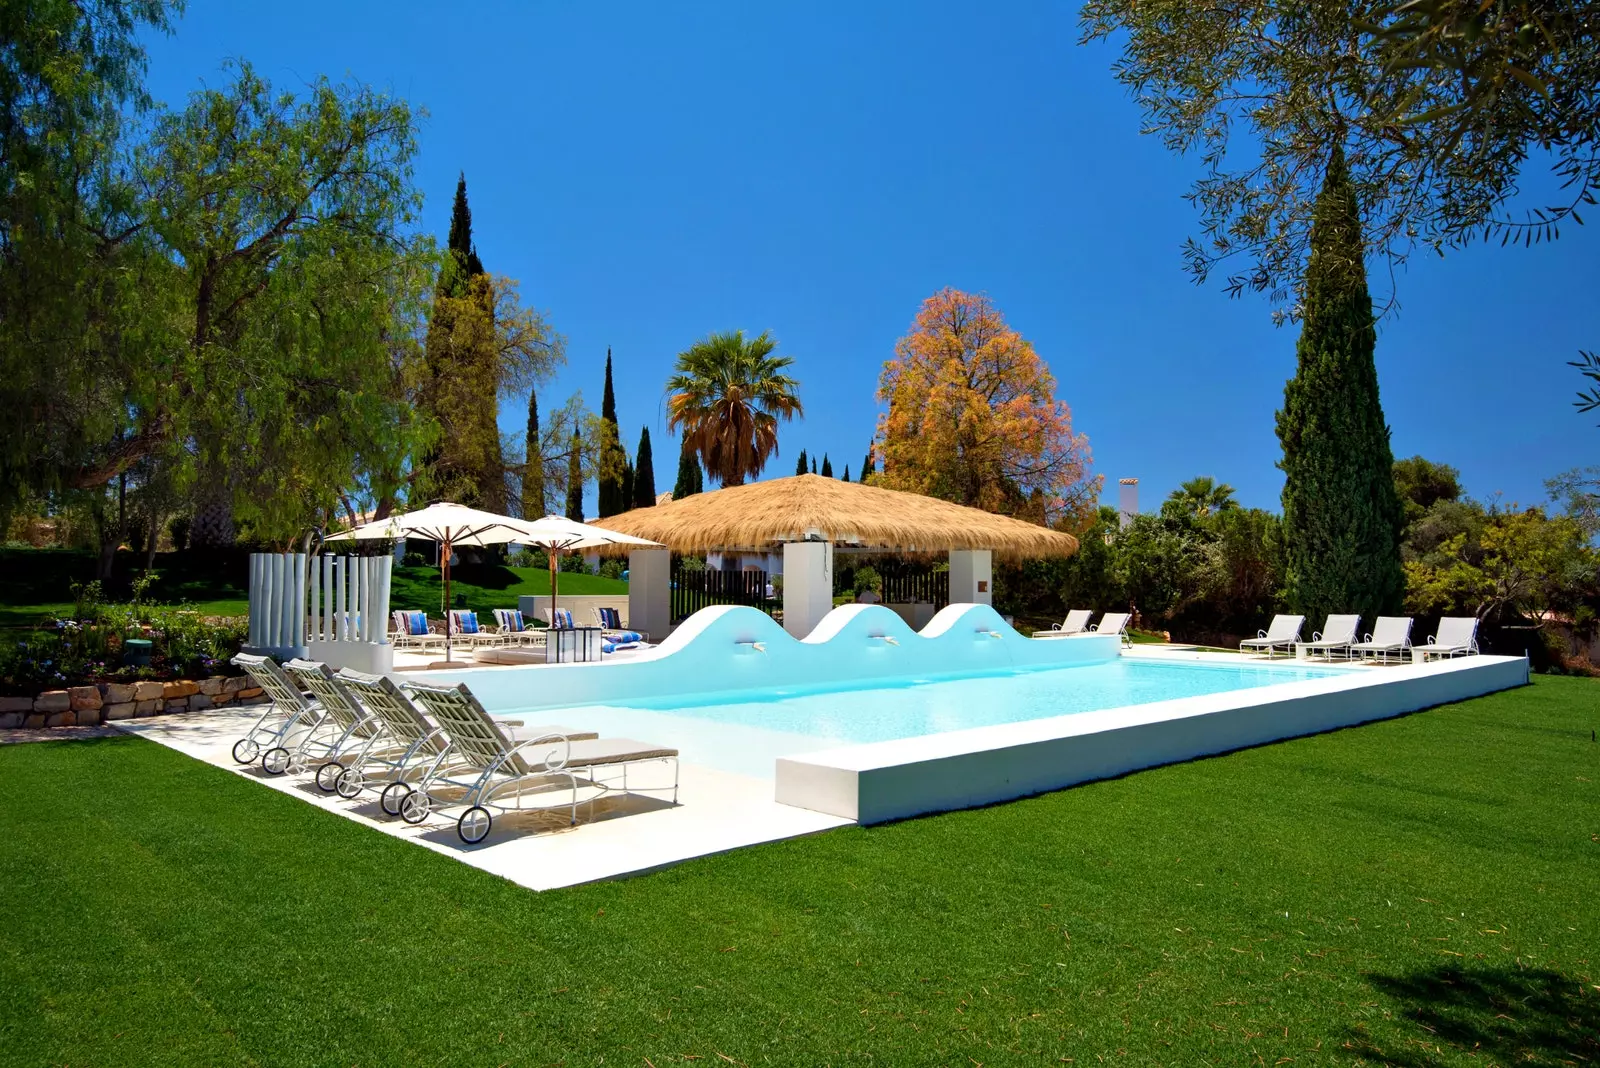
(407, 745)
(1077, 622)
(1391, 636)
(1336, 636)
(487, 769)
(1458, 636)
(355, 728)
(467, 632)
(1113, 623)
(411, 631)
(399, 751)
(1282, 633)
(514, 630)
(613, 635)
(282, 728)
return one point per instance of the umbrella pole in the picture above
(550, 555)
(449, 616)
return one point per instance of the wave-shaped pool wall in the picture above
(733, 647)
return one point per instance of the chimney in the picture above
(1127, 500)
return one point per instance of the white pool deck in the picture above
(799, 792)
(716, 811)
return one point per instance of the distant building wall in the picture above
(1127, 499)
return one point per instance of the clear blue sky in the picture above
(653, 172)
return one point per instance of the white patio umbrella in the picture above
(558, 534)
(451, 525)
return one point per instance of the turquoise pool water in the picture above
(907, 708)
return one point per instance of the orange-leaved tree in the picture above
(973, 417)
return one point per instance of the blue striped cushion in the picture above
(469, 622)
(417, 622)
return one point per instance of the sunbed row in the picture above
(414, 630)
(423, 748)
(1390, 637)
(1077, 622)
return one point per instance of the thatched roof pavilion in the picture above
(763, 515)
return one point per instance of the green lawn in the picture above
(487, 588)
(1416, 892)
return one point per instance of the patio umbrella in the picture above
(558, 534)
(451, 525)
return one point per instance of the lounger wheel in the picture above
(275, 760)
(473, 826)
(245, 751)
(415, 807)
(328, 776)
(349, 783)
(393, 796)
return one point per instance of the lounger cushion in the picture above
(417, 623)
(615, 751)
(468, 622)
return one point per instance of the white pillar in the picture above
(256, 603)
(297, 622)
(971, 576)
(649, 592)
(807, 585)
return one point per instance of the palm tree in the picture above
(728, 393)
(1202, 496)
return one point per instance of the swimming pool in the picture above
(746, 731)
(911, 707)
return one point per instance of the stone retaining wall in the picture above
(107, 702)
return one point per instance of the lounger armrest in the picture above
(1316, 636)
(562, 740)
(1366, 639)
(1261, 634)
(1055, 626)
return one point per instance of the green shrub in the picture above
(413, 560)
(867, 578)
(611, 569)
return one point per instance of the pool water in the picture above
(908, 708)
(747, 730)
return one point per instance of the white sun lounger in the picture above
(1391, 636)
(486, 769)
(1336, 636)
(1113, 623)
(1077, 622)
(1281, 633)
(283, 728)
(1458, 636)
(354, 728)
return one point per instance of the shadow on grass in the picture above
(1499, 1015)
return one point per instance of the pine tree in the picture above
(613, 458)
(458, 389)
(827, 468)
(800, 468)
(644, 473)
(575, 480)
(690, 477)
(846, 476)
(533, 471)
(1341, 516)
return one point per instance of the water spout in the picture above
(992, 633)
(887, 638)
(760, 647)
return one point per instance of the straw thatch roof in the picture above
(762, 515)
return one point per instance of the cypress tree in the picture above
(827, 468)
(614, 497)
(462, 249)
(868, 466)
(575, 480)
(690, 478)
(533, 471)
(626, 494)
(644, 473)
(1341, 516)
(813, 465)
(846, 476)
(800, 468)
